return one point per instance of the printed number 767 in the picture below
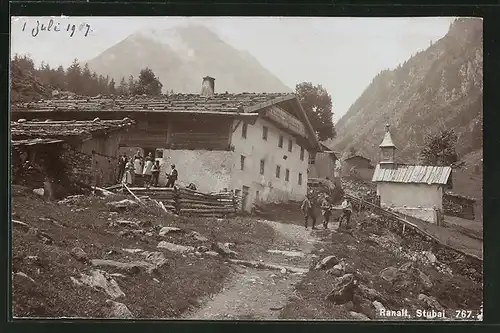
(463, 314)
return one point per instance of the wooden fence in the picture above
(403, 223)
(188, 202)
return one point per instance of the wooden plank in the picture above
(200, 205)
(286, 120)
(206, 200)
(196, 210)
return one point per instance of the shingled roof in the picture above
(35, 142)
(232, 103)
(66, 129)
(238, 105)
(423, 174)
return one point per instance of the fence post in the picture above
(176, 200)
(235, 206)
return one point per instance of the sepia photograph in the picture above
(247, 168)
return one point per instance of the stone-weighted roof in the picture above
(166, 103)
(66, 129)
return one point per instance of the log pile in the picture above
(167, 196)
(196, 203)
(188, 202)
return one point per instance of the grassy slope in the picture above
(181, 283)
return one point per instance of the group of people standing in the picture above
(308, 208)
(129, 169)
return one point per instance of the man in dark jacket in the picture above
(172, 177)
(155, 173)
(307, 208)
(122, 161)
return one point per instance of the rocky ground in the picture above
(111, 257)
(371, 268)
(82, 257)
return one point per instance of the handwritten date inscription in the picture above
(52, 26)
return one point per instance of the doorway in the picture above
(244, 197)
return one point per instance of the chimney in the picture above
(207, 86)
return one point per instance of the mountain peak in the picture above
(181, 55)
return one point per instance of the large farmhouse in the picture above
(255, 144)
(414, 190)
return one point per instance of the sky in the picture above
(341, 54)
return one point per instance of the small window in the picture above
(290, 144)
(300, 179)
(264, 133)
(159, 153)
(287, 174)
(242, 162)
(278, 170)
(312, 159)
(262, 167)
(257, 195)
(280, 142)
(301, 153)
(244, 128)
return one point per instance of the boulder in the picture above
(197, 236)
(175, 247)
(426, 281)
(379, 307)
(335, 272)
(367, 308)
(430, 256)
(128, 268)
(407, 267)
(167, 230)
(211, 253)
(410, 278)
(132, 250)
(343, 289)
(122, 205)
(370, 293)
(223, 250)
(39, 191)
(35, 260)
(202, 249)
(101, 281)
(117, 310)
(358, 316)
(288, 253)
(79, 254)
(327, 262)
(127, 223)
(389, 274)
(431, 302)
(156, 258)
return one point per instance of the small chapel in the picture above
(413, 190)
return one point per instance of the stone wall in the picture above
(455, 205)
(79, 164)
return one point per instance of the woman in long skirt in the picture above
(128, 178)
(147, 170)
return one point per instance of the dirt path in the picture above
(260, 293)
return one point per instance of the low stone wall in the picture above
(460, 206)
(424, 214)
